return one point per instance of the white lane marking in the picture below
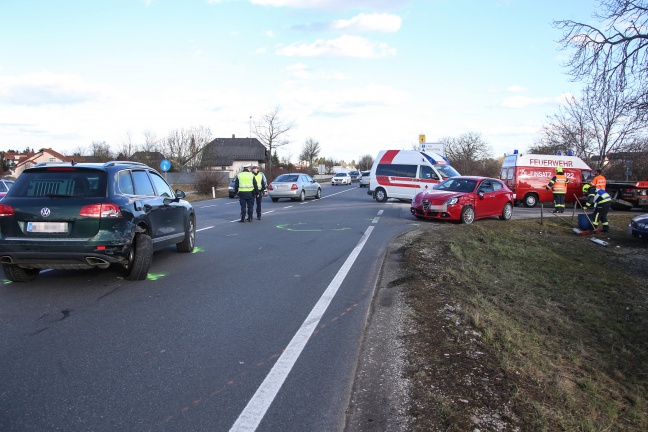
(206, 228)
(377, 218)
(337, 193)
(256, 408)
(211, 205)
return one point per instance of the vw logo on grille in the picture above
(45, 212)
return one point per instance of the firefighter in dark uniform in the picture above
(246, 188)
(262, 184)
(601, 201)
(559, 185)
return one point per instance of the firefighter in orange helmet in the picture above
(559, 186)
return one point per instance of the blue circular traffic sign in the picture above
(165, 165)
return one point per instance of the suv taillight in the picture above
(108, 210)
(6, 210)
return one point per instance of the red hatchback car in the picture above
(464, 199)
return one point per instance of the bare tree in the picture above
(183, 146)
(151, 143)
(568, 130)
(285, 159)
(310, 151)
(467, 152)
(271, 130)
(79, 151)
(329, 163)
(614, 118)
(365, 163)
(631, 163)
(601, 122)
(128, 148)
(616, 53)
(101, 151)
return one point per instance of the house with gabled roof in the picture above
(44, 155)
(150, 158)
(231, 154)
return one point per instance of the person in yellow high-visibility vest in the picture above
(262, 184)
(245, 186)
(559, 185)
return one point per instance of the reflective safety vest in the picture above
(261, 181)
(596, 197)
(246, 181)
(559, 183)
(599, 182)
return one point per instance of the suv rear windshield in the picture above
(66, 182)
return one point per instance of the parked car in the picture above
(464, 199)
(364, 179)
(231, 188)
(638, 226)
(91, 215)
(355, 175)
(5, 185)
(341, 179)
(295, 186)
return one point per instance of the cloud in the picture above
(516, 89)
(344, 102)
(331, 4)
(344, 46)
(517, 102)
(387, 23)
(47, 88)
(303, 72)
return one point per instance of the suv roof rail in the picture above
(113, 163)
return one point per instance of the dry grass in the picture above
(522, 326)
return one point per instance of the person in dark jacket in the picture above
(246, 188)
(601, 201)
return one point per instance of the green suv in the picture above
(86, 215)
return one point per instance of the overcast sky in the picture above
(358, 76)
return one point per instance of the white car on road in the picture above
(341, 179)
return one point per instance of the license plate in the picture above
(47, 227)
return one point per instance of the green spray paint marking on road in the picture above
(285, 227)
(198, 249)
(155, 276)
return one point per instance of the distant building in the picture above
(44, 155)
(230, 154)
(150, 158)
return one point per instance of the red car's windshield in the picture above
(457, 185)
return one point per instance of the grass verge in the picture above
(523, 326)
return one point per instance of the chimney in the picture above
(232, 136)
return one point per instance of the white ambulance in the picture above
(527, 175)
(401, 174)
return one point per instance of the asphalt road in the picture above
(259, 329)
